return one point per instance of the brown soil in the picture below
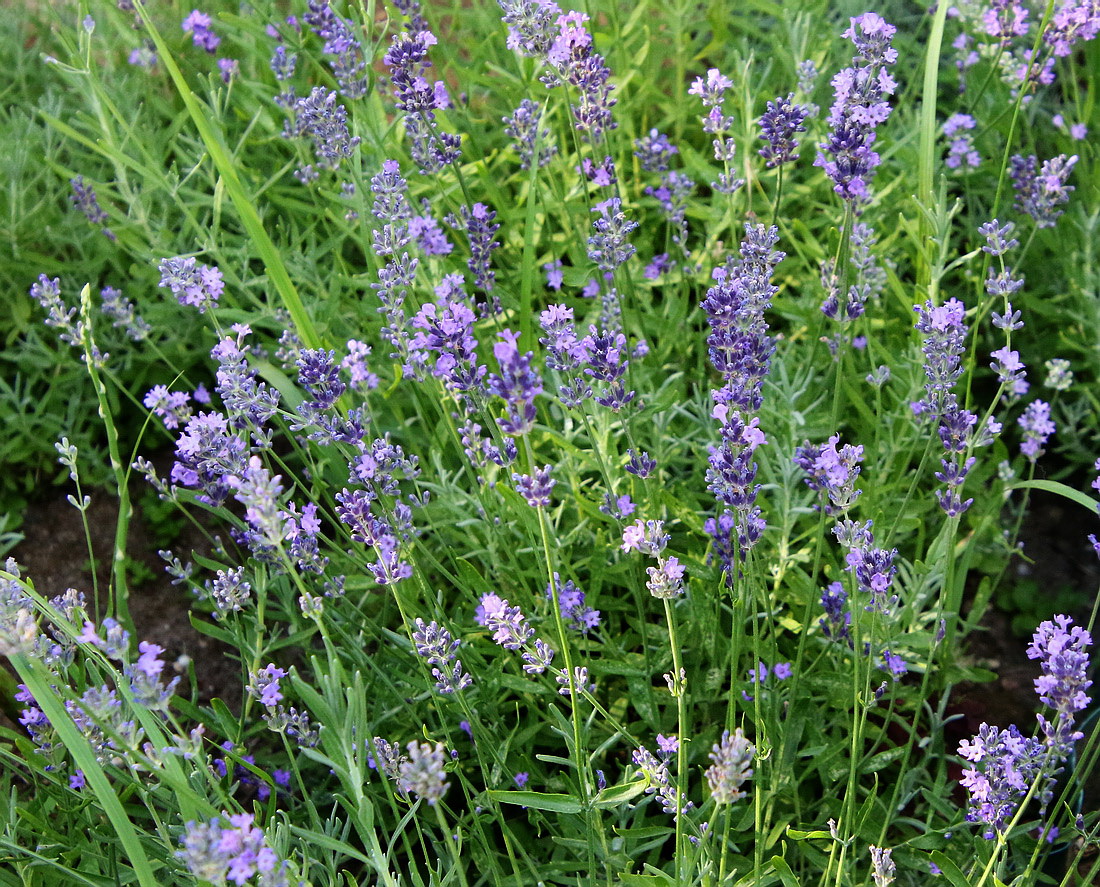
(54, 556)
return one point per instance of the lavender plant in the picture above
(551, 544)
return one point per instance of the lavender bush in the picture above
(600, 484)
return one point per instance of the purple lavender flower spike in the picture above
(199, 286)
(860, 105)
(535, 488)
(518, 384)
(407, 58)
(730, 769)
(1040, 193)
(1037, 426)
(84, 199)
(533, 145)
(480, 225)
(609, 247)
(832, 472)
(345, 51)
(571, 601)
(779, 125)
(435, 644)
(231, 848)
(197, 24)
(654, 151)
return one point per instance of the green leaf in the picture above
(554, 802)
(779, 864)
(1052, 486)
(36, 678)
(620, 794)
(950, 871)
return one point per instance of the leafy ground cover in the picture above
(593, 438)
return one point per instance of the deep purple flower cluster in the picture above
(779, 125)
(831, 471)
(172, 407)
(535, 488)
(84, 199)
(480, 225)
(445, 328)
(407, 59)
(348, 63)
(199, 286)
(518, 384)
(607, 358)
(197, 24)
(654, 151)
(574, 613)
(740, 349)
(533, 145)
(1073, 21)
(379, 467)
(565, 353)
(247, 401)
(1040, 191)
(1013, 762)
(848, 156)
(391, 208)
(435, 644)
(837, 621)
(575, 62)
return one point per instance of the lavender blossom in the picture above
(945, 336)
(345, 51)
(326, 124)
(960, 146)
(518, 384)
(860, 105)
(832, 472)
(648, 537)
(609, 247)
(535, 488)
(237, 851)
(654, 151)
(659, 781)
(196, 285)
(478, 221)
(779, 125)
(574, 61)
(574, 613)
(666, 580)
(606, 359)
(1037, 426)
(419, 98)
(123, 314)
(883, 868)
(533, 145)
(1039, 194)
(730, 769)
(422, 773)
(197, 24)
(435, 644)
(532, 25)
(1074, 21)
(84, 199)
(171, 407)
